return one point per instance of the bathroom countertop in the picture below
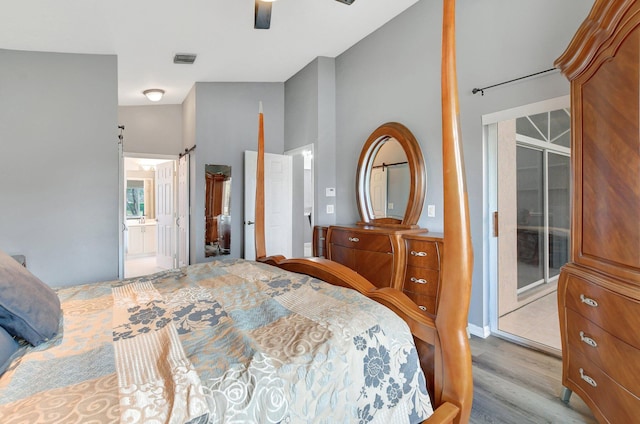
(136, 222)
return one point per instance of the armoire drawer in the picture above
(621, 360)
(361, 240)
(421, 280)
(615, 403)
(422, 253)
(614, 313)
(426, 303)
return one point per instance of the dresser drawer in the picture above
(426, 303)
(614, 402)
(421, 280)
(614, 313)
(620, 360)
(361, 240)
(423, 253)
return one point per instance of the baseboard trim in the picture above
(478, 331)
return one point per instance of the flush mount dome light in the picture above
(154, 94)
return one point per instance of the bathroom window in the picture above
(135, 198)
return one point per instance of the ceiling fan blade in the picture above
(263, 15)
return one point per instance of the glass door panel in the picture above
(559, 202)
(530, 221)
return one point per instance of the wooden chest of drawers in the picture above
(369, 253)
(601, 344)
(422, 273)
(407, 260)
(376, 253)
(319, 247)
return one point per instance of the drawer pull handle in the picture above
(418, 280)
(588, 340)
(588, 379)
(354, 239)
(588, 301)
(424, 308)
(414, 253)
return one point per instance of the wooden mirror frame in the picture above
(416, 169)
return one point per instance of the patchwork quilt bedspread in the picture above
(229, 341)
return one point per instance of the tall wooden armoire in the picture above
(599, 290)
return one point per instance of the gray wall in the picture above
(153, 129)
(394, 75)
(226, 124)
(310, 105)
(59, 164)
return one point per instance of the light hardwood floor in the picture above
(517, 385)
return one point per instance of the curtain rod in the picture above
(481, 90)
(385, 165)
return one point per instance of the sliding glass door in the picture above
(542, 173)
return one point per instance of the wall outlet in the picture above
(431, 211)
(329, 208)
(390, 206)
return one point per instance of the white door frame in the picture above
(490, 243)
(121, 203)
(122, 180)
(308, 151)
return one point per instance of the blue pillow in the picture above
(29, 309)
(8, 346)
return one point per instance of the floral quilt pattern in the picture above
(227, 341)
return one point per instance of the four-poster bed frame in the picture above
(441, 340)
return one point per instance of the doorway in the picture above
(529, 169)
(150, 196)
(278, 202)
(303, 213)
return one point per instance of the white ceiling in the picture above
(145, 35)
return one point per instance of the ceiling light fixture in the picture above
(154, 94)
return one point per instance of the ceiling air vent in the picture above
(184, 58)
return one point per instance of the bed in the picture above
(275, 340)
(223, 341)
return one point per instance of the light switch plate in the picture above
(431, 211)
(330, 192)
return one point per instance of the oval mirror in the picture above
(391, 179)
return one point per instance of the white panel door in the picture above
(278, 204)
(183, 211)
(164, 214)
(378, 184)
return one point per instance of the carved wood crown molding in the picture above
(593, 43)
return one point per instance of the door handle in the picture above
(250, 222)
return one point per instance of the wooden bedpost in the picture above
(261, 250)
(455, 381)
(442, 341)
